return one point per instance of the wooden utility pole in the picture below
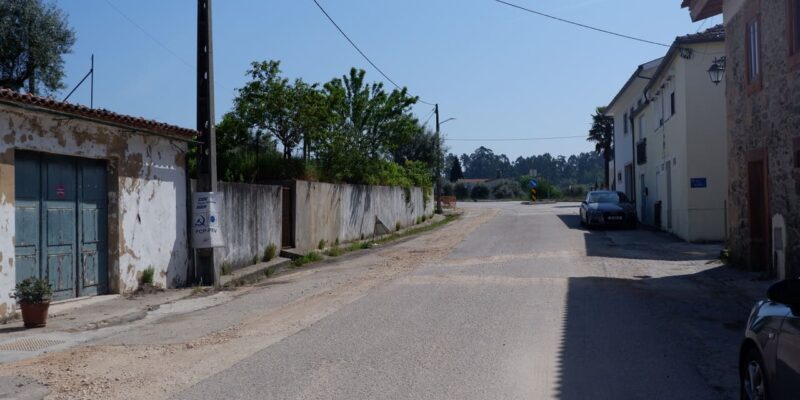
(438, 184)
(207, 272)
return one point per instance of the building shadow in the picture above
(639, 244)
(667, 338)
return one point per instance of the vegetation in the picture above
(308, 258)
(479, 192)
(35, 36)
(335, 251)
(456, 172)
(226, 268)
(461, 191)
(321, 245)
(148, 276)
(602, 133)
(270, 252)
(347, 130)
(33, 291)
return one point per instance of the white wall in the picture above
(149, 210)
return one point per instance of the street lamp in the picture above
(717, 70)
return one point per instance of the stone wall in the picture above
(251, 220)
(768, 119)
(328, 212)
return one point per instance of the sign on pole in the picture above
(206, 224)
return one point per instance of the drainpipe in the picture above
(633, 164)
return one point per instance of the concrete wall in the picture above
(147, 194)
(251, 220)
(764, 120)
(329, 212)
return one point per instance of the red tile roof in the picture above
(100, 115)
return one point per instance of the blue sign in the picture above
(699, 183)
(534, 184)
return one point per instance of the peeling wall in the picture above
(251, 221)
(328, 212)
(147, 193)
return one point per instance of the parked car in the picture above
(769, 359)
(607, 208)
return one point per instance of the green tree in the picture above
(34, 36)
(602, 133)
(456, 172)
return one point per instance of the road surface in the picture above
(511, 301)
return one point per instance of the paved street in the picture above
(512, 301)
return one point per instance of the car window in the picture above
(612, 198)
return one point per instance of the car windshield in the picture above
(609, 197)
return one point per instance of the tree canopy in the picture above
(34, 36)
(602, 133)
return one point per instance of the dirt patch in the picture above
(161, 371)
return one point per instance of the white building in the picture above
(621, 108)
(681, 158)
(89, 199)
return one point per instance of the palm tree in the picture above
(602, 133)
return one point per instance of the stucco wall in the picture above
(768, 119)
(251, 220)
(329, 212)
(147, 200)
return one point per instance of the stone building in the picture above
(762, 68)
(89, 199)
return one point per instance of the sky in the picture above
(500, 72)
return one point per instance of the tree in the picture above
(34, 36)
(602, 133)
(455, 170)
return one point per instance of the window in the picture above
(625, 124)
(672, 104)
(753, 48)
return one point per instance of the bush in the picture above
(33, 291)
(480, 192)
(321, 244)
(308, 258)
(448, 189)
(505, 189)
(461, 191)
(148, 275)
(270, 252)
(226, 268)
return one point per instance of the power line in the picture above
(581, 25)
(359, 50)
(518, 139)
(152, 37)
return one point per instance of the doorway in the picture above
(757, 205)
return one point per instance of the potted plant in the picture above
(33, 296)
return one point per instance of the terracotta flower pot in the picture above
(34, 315)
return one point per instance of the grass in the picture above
(321, 244)
(308, 258)
(226, 268)
(148, 275)
(335, 251)
(270, 252)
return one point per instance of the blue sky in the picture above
(501, 72)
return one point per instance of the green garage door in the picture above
(61, 222)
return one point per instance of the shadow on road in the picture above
(668, 338)
(640, 244)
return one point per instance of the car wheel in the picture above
(753, 377)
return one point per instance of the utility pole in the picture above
(438, 186)
(207, 272)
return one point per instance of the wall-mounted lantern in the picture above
(717, 70)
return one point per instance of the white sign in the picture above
(206, 224)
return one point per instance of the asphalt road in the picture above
(527, 306)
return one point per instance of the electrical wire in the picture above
(518, 139)
(428, 118)
(152, 37)
(580, 24)
(352, 43)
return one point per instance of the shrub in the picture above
(448, 189)
(397, 226)
(335, 251)
(32, 291)
(321, 244)
(480, 192)
(226, 268)
(148, 275)
(308, 258)
(270, 252)
(505, 189)
(461, 191)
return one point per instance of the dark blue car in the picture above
(607, 208)
(769, 359)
